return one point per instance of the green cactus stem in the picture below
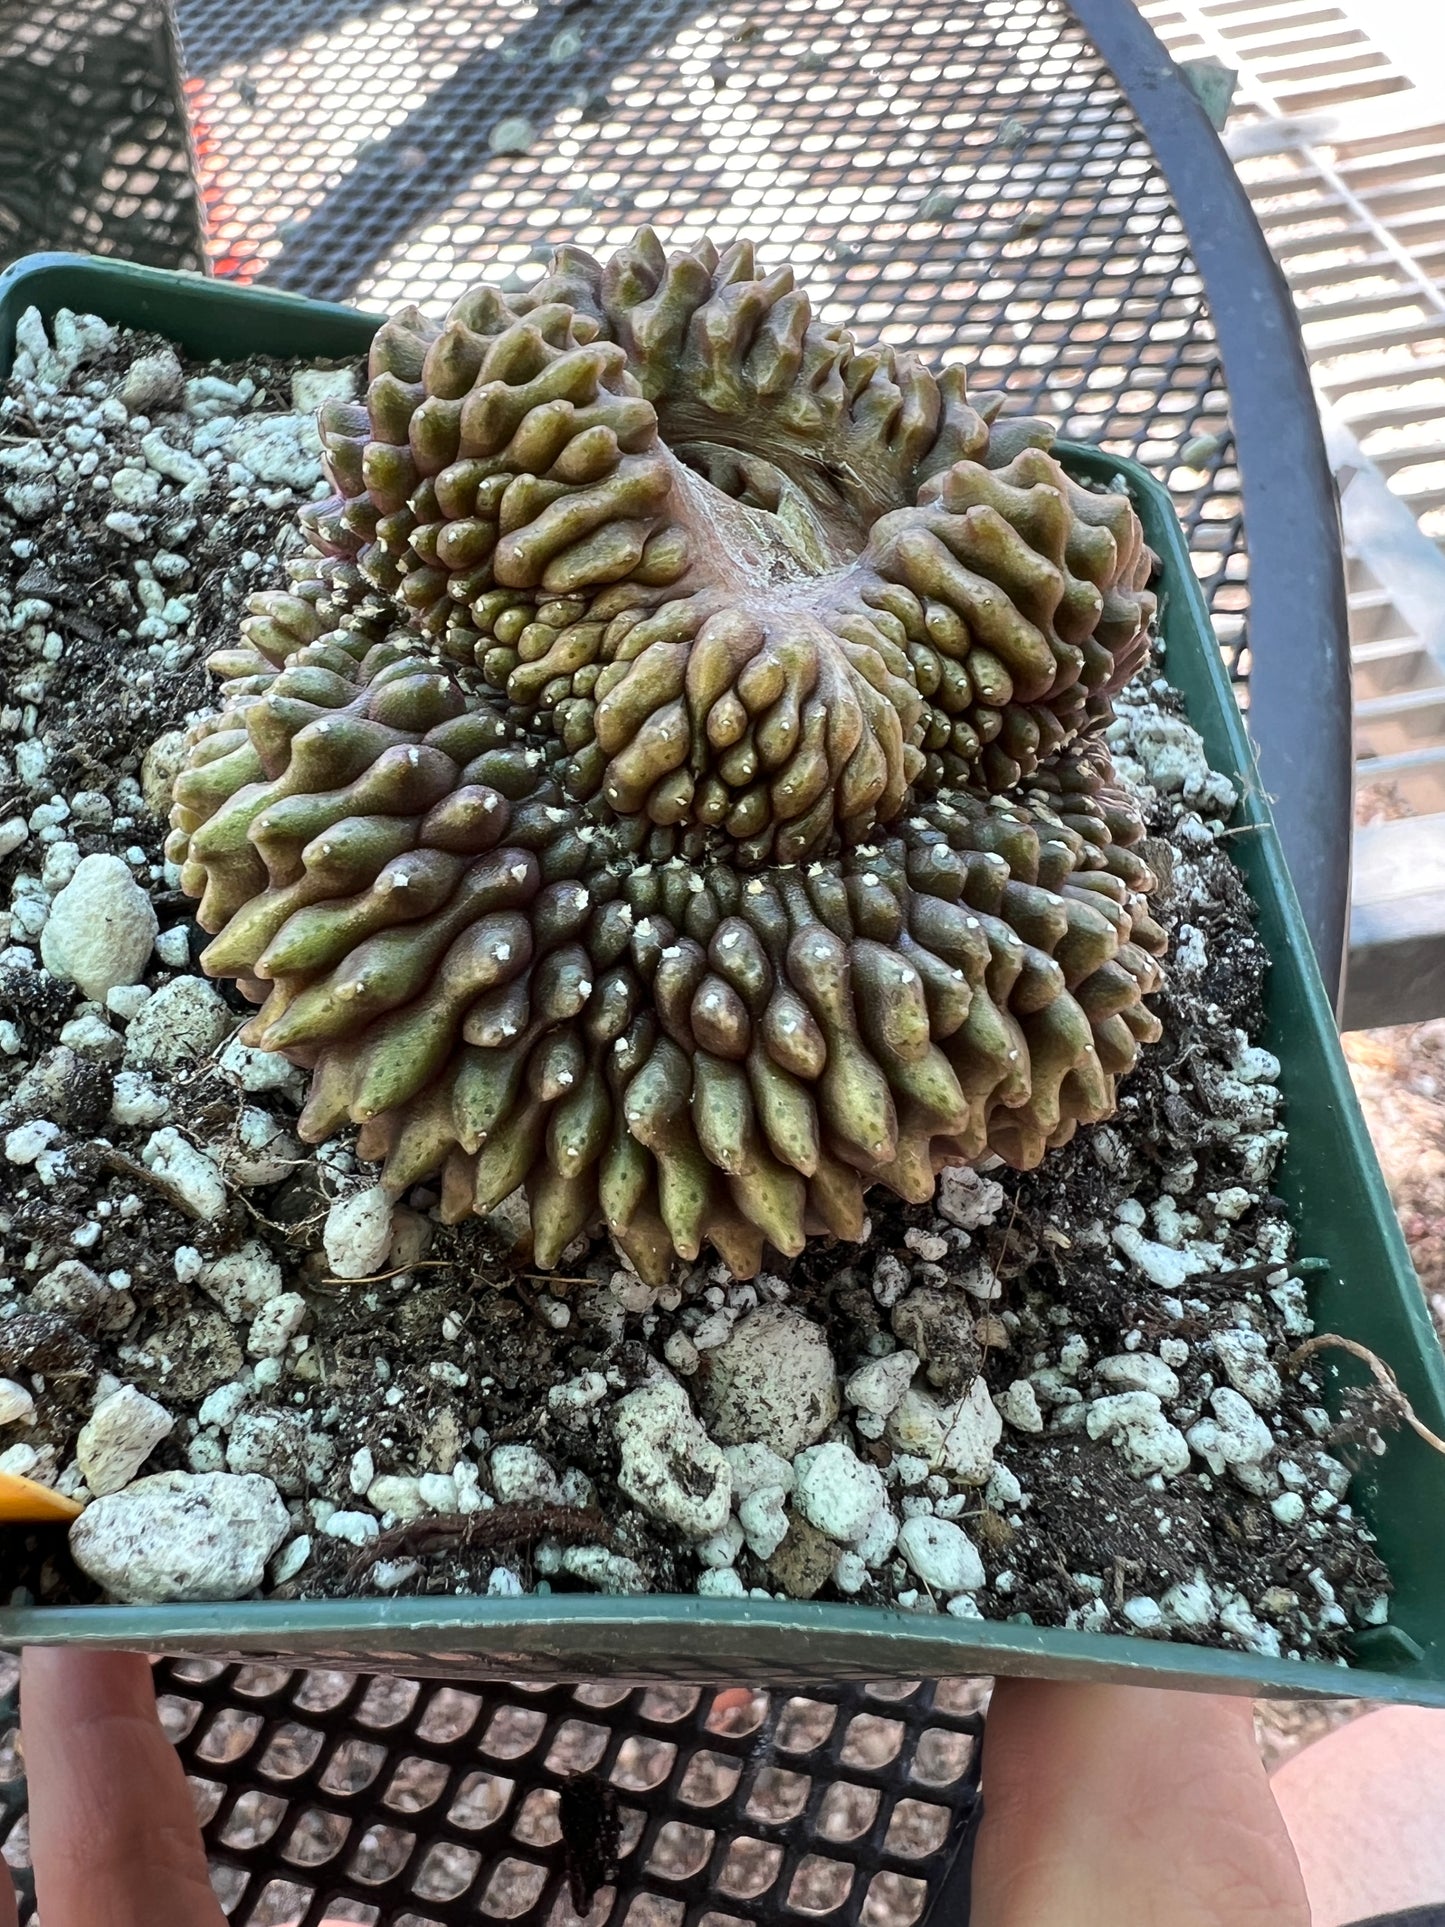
(672, 783)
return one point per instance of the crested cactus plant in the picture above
(673, 781)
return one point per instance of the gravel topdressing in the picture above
(1063, 1398)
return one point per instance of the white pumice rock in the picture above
(929, 1246)
(772, 1378)
(1253, 1064)
(17, 1407)
(1232, 1203)
(276, 1324)
(1018, 1406)
(356, 1528)
(125, 1000)
(62, 860)
(607, 1571)
(681, 1354)
(879, 1385)
(222, 1407)
(398, 1494)
(1238, 1620)
(723, 1547)
(173, 947)
(850, 1575)
(183, 1022)
(1189, 1604)
(357, 1233)
(101, 928)
(1140, 1372)
(838, 1492)
(291, 1558)
(152, 380)
(132, 489)
(1245, 1358)
(118, 1437)
(81, 1295)
(763, 1517)
(438, 1491)
(265, 1150)
(1073, 1355)
(311, 387)
(257, 1071)
(720, 1582)
(521, 1476)
(890, 1280)
(579, 1394)
(1236, 1437)
(282, 1446)
(89, 1035)
(174, 464)
(205, 1453)
(1003, 1491)
(195, 1178)
(240, 1281)
(283, 450)
(28, 1142)
(467, 1481)
(505, 1584)
(179, 1536)
(880, 1537)
(1170, 1270)
(967, 1199)
(159, 768)
(1135, 1425)
(757, 1467)
(135, 1101)
(1145, 1615)
(1288, 1508)
(670, 1467)
(942, 1555)
(957, 1436)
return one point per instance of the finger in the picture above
(1105, 1804)
(113, 1836)
(9, 1911)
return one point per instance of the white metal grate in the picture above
(1338, 132)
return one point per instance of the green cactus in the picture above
(672, 782)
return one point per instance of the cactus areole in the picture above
(674, 781)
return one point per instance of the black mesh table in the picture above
(328, 1796)
(1028, 187)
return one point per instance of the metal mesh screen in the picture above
(960, 175)
(94, 150)
(409, 1804)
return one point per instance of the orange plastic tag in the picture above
(24, 1499)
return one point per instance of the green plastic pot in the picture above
(1362, 1284)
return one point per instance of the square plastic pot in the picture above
(1361, 1282)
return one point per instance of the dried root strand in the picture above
(1382, 1373)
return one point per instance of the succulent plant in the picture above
(673, 781)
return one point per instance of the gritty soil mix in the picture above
(1064, 1398)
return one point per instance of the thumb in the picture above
(113, 1835)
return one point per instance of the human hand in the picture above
(1113, 1804)
(113, 1834)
